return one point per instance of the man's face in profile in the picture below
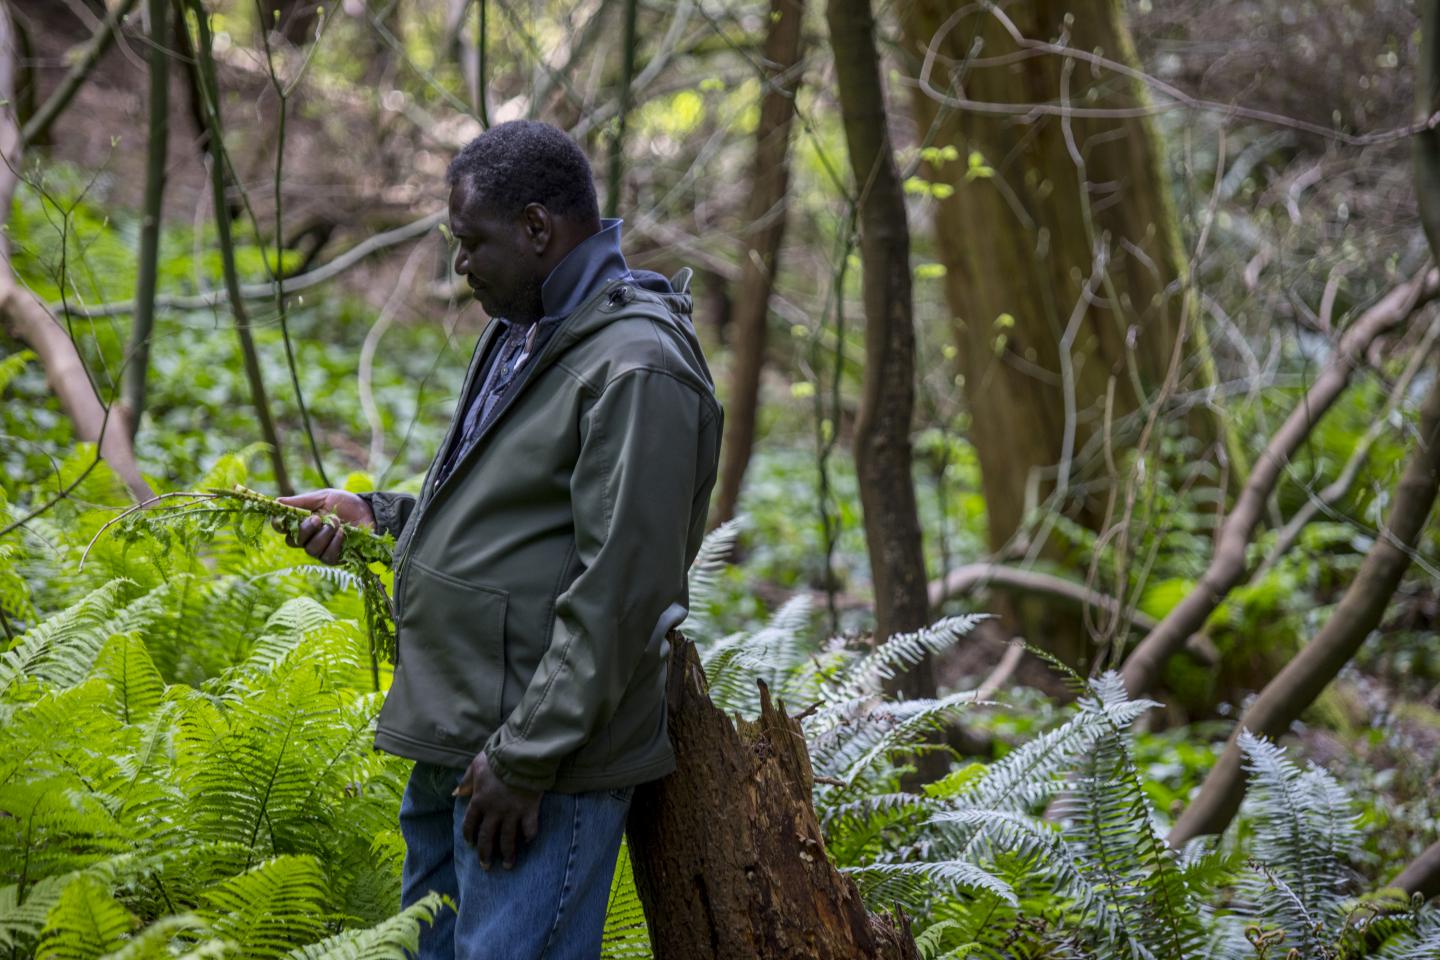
(495, 257)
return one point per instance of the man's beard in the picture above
(526, 307)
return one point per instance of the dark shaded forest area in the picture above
(1071, 587)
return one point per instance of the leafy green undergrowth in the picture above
(74, 247)
(186, 770)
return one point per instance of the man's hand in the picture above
(496, 813)
(320, 537)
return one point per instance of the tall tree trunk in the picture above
(27, 318)
(1296, 686)
(218, 165)
(887, 402)
(761, 234)
(728, 857)
(156, 154)
(614, 178)
(1020, 236)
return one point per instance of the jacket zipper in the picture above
(426, 490)
(615, 297)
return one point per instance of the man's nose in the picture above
(462, 266)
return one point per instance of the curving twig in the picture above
(1333, 491)
(266, 291)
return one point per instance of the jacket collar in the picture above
(589, 266)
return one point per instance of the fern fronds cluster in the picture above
(246, 513)
(248, 815)
(1054, 850)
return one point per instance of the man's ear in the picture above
(539, 227)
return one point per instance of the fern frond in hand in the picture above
(246, 514)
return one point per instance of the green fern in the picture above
(62, 649)
(270, 909)
(86, 922)
(385, 940)
(626, 935)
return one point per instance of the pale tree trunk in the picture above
(1020, 237)
(1422, 876)
(27, 318)
(761, 233)
(728, 857)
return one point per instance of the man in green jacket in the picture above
(544, 561)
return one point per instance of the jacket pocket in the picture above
(452, 633)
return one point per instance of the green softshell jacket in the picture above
(534, 588)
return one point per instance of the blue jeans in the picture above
(551, 904)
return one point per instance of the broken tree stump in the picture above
(728, 857)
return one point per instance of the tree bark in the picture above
(216, 146)
(761, 233)
(614, 178)
(728, 857)
(156, 153)
(1019, 237)
(1358, 613)
(1422, 876)
(887, 401)
(28, 319)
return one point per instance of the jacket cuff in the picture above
(533, 780)
(386, 509)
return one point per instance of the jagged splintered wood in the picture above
(728, 856)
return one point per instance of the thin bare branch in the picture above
(1177, 98)
(95, 48)
(1227, 566)
(266, 291)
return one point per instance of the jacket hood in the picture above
(622, 296)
